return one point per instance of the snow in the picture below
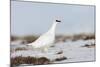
(73, 50)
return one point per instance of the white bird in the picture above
(47, 39)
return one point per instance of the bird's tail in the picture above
(28, 44)
(31, 44)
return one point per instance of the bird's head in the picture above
(58, 21)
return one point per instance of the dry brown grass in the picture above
(20, 48)
(28, 38)
(13, 38)
(59, 52)
(29, 60)
(83, 36)
(89, 46)
(60, 59)
(75, 37)
(59, 38)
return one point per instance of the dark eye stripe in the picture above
(58, 21)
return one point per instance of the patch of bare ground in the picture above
(60, 52)
(60, 59)
(89, 45)
(29, 60)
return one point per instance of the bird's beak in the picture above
(58, 21)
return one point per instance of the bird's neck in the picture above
(52, 29)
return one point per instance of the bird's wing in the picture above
(43, 40)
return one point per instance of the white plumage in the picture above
(47, 39)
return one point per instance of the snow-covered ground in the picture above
(72, 50)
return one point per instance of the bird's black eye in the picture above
(58, 21)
